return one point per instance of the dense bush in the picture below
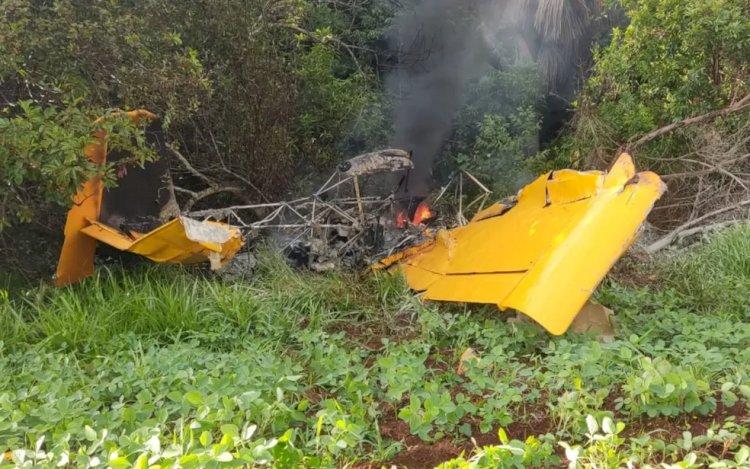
(244, 90)
(674, 60)
(41, 157)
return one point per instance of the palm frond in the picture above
(563, 20)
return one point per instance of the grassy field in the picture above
(160, 367)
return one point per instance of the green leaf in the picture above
(119, 463)
(194, 397)
(225, 457)
(502, 436)
(742, 455)
(230, 429)
(141, 462)
(189, 461)
(592, 424)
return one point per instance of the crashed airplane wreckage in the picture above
(139, 216)
(541, 253)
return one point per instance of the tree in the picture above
(556, 34)
(676, 59)
(242, 87)
(42, 160)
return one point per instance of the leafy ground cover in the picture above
(159, 367)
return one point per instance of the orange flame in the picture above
(422, 214)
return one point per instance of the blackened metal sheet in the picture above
(144, 198)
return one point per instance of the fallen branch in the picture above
(674, 234)
(198, 196)
(705, 228)
(246, 181)
(740, 105)
(214, 187)
(721, 170)
(190, 167)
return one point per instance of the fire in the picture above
(422, 214)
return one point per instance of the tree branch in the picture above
(348, 47)
(740, 105)
(197, 196)
(190, 167)
(668, 239)
(214, 187)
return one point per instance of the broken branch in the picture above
(190, 167)
(740, 105)
(197, 196)
(669, 239)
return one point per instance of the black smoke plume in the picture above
(438, 46)
(442, 45)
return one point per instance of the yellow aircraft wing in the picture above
(545, 255)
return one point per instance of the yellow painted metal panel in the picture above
(101, 232)
(512, 242)
(565, 276)
(418, 279)
(484, 288)
(491, 211)
(438, 256)
(545, 255)
(77, 255)
(171, 242)
(566, 186)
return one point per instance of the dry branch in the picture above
(190, 167)
(674, 234)
(213, 186)
(198, 196)
(738, 106)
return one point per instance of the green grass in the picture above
(160, 366)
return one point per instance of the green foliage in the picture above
(501, 148)
(303, 370)
(433, 407)
(262, 91)
(402, 368)
(675, 59)
(603, 445)
(510, 454)
(497, 130)
(42, 155)
(329, 104)
(717, 273)
(665, 389)
(107, 54)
